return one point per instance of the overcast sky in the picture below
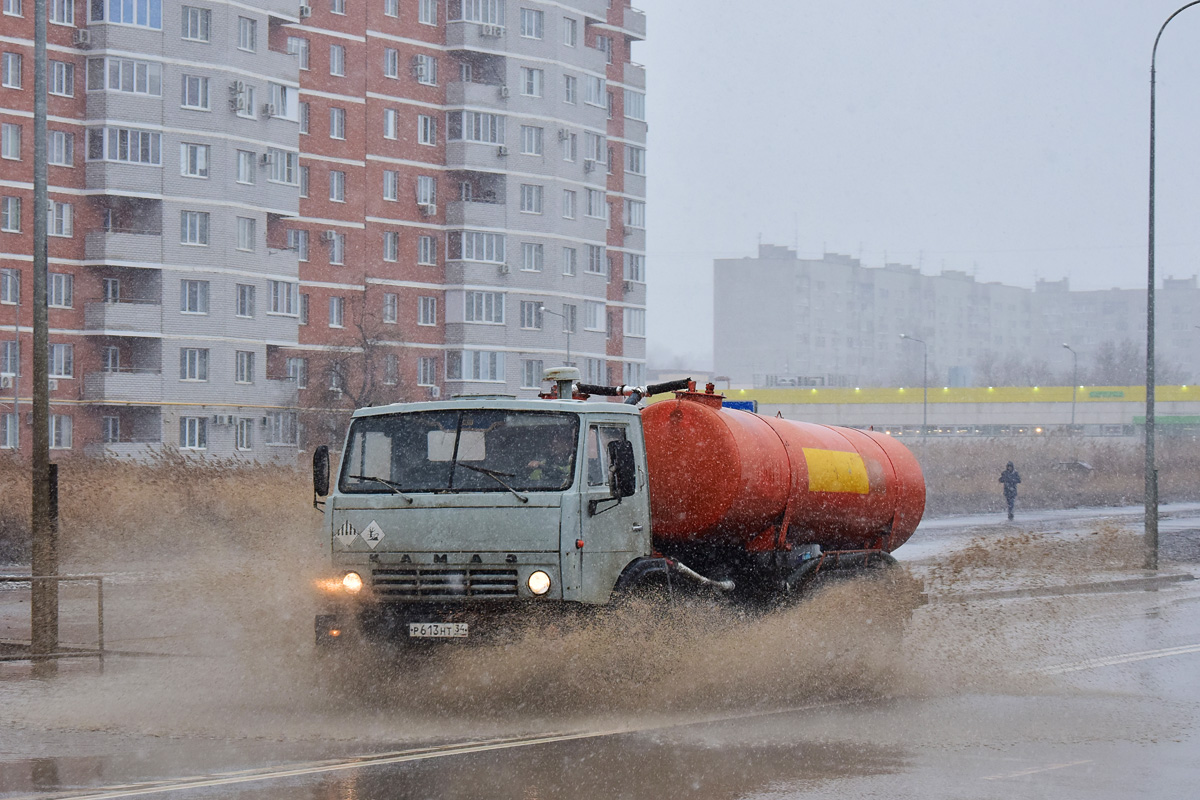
(1010, 140)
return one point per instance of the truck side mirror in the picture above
(321, 471)
(622, 476)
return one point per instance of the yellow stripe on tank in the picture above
(836, 471)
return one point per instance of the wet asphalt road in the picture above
(1090, 696)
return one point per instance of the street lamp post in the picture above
(1151, 535)
(925, 378)
(566, 329)
(1074, 383)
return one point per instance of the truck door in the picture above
(616, 532)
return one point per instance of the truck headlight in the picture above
(352, 582)
(538, 583)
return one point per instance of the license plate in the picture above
(437, 630)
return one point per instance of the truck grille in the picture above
(413, 582)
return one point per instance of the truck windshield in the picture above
(473, 450)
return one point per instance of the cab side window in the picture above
(597, 451)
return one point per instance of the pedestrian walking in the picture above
(1010, 478)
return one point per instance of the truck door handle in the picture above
(637, 527)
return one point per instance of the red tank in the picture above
(725, 476)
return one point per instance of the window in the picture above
(596, 207)
(304, 118)
(193, 227)
(426, 129)
(532, 23)
(477, 246)
(298, 46)
(391, 120)
(594, 370)
(595, 263)
(635, 268)
(62, 360)
(62, 12)
(125, 75)
(283, 297)
(245, 233)
(570, 89)
(635, 105)
(593, 315)
(304, 309)
(531, 374)
(283, 427)
(635, 213)
(391, 62)
(605, 45)
(391, 246)
(337, 6)
(111, 429)
(427, 12)
(62, 79)
(569, 318)
(304, 181)
(193, 433)
(391, 369)
(425, 69)
(532, 81)
(110, 359)
(531, 315)
(111, 288)
(10, 71)
(635, 322)
(8, 427)
(193, 364)
(635, 160)
(244, 434)
(193, 297)
(195, 92)
(10, 360)
(426, 371)
(485, 307)
(61, 290)
(125, 144)
(427, 311)
(245, 166)
(476, 126)
(298, 241)
(466, 72)
(489, 12)
(337, 249)
(244, 300)
(595, 91)
(247, 34)
(594, 147)
(531, 198)
(570, 32)
(283, 98)
(196, 23)
(60, 432)
(297, 370)
(391, 306)
(285, 166)
(532, 257)
(337, 186)
(13, 8)
(144, 13)
(60, 219)
(337, 59)
(570, 146)
(391, 8)
(337, 123)
(193, 160)
(474, 365)
(10, 217)
(337, 306)
(243, 366)
(531, 140)
(427, 251)
(570, 260)
(391, 185)
(568, 204)
(426, 190)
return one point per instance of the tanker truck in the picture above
(458, 519)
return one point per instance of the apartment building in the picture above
(173, 148)
(784, 321)
(377, 200)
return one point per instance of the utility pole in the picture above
(1074, 384)
(924, 381)
(566, 329)
(44, 599)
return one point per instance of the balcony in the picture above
(635, 23)
(635, 75)
(461, 34)
(131, 450)
(476, 156)
(279, 393)
(473, 94)
(475, 213)
(124, 246)
(123, 317)
(124, 386)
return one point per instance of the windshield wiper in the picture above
(395, 487)
(496, 476)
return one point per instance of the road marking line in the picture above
(1124, 658)
(1036, 770)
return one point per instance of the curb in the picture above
(1098, 587)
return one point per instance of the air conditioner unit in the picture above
(504, 91)
(627, 286)
(269, 109)
(53, 384)
(589, 165)
(237, 87)
(418, 68)
(329, 236)
(502, 150)
(491, 30)
(6, 381)
(222, 419)
(435, 392)
(305, 11)
(503, 269)
(563, 134)
(265, 159)
(83, 37)
(628, 231)
(428, 209)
